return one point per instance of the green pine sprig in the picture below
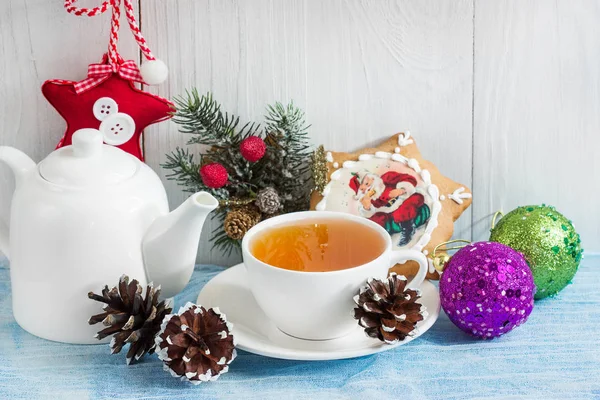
(285, 165)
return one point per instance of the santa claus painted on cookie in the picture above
(392, 201)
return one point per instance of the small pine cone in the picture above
(388, 310)
(252, 210)
(196, 344)
(130, 318)
(238, 222)
(268, 201)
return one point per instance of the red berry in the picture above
(253, 148)
(214, 175)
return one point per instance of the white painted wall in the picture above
(504, 96)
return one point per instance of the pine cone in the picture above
(388, 310)
(196, 344)
(238, 222)
(268, 200)
(130, 317)
(252, 210)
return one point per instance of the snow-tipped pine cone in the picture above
(196, 344)
(268, 201)
(388, 310)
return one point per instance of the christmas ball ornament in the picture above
(154, 72)
(548, 241)
(130, 317)
(268, 201)
(487, 289)
(253, 148)
(214, 175)
(196, 344)
(388, 310)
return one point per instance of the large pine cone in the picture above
(130, 317)
(388, 310)
(196, 344)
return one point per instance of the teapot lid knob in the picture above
(87, 142)
(88, 162)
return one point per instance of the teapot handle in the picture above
(4, 238)
(21, 165)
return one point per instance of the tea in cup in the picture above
(304, 269)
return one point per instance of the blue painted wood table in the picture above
(555, 355)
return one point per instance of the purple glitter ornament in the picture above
(487, 289)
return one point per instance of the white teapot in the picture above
(83, 217)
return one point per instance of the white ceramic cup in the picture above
(318, 305)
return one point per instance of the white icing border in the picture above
(412, 163)
(430, 263)
(458, 195)
(404, 139)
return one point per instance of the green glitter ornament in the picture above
(548, 241)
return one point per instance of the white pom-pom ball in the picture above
(154, 72)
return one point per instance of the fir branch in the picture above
(288, 165)
(202, 117)
(184, 171)
(288, 119)
(219, 238)
(285, 166)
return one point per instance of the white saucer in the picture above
(255, 333)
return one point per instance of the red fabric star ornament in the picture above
(109, 102)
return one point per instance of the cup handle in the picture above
(401, 256)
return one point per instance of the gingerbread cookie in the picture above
(395, 187)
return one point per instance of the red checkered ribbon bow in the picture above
(98, 73)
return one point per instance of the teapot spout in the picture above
(171, 243)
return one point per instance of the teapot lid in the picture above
(88, 162)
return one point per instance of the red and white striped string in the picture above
(113, 54)
(137, 33)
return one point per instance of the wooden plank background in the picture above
(502, 95)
